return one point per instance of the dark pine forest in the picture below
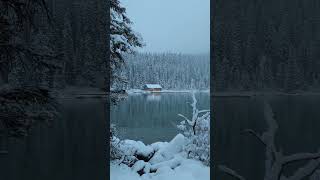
(262, 45)
(53, 43)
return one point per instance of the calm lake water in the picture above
(72, 148)
(154, 117)
(298, 118)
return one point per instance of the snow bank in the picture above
(167, 161)
(122, 172)
(168, 151)
(187, 170)
(136, 147)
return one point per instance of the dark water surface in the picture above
(298, 118)
(71, 149)
(154, 117)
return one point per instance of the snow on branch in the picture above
(197, 131)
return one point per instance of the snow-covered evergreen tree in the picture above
(122, 38)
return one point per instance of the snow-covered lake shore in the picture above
(167, 162)
(139, 91)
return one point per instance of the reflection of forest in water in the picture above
(72, 147)
(297, 118)
(154, 117)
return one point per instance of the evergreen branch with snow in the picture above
(123, 39)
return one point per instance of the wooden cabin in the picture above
(152, 87)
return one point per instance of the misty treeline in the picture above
(266, 45)
(53, 43)
(170, 70)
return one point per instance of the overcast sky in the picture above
(181, 26)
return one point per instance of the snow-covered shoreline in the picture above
(139, 91)
(167, 161)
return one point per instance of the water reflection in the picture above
(154, 117)
(154, 97)
(72, 148)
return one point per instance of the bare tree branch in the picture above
(275, 161)
(230, 172)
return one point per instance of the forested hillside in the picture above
(170, 70)
(54, 43)
(266, 44)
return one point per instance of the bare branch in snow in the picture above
(231, 172)
(306, 171)
(197, 132)
(255, 134)
(275, 160)
(203, 111)
(190, 122)
(300, 157)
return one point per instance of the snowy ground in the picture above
(167, 162)
(189, 170)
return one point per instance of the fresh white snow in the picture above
(187, 170)
(168, 162)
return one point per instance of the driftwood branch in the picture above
(300, 157)
(230, 172)
(275, 160)
(255, 134)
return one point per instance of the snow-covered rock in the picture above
(136, 147)
(164, 170)
(167, 151)
(172, 163)
(158, 145)
(139, 165)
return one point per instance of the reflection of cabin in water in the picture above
(152, 87)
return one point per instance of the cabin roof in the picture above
(152, 86)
